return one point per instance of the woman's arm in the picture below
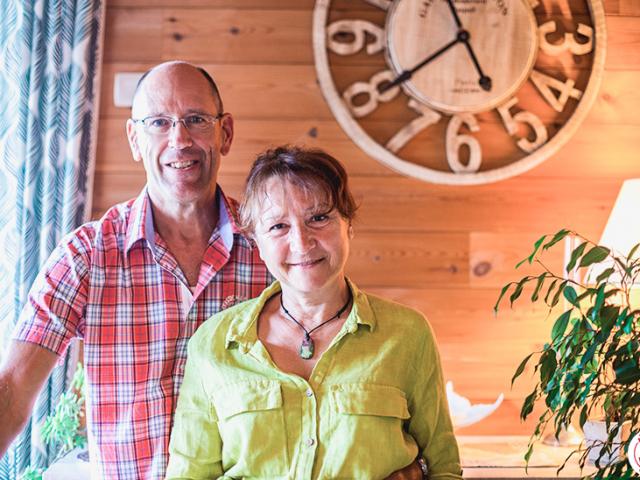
(195, 449)
(430, 423)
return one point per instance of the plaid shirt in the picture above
(114, 283)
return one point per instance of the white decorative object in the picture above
(463, 413)
(73, 466)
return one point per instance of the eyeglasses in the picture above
(194, 123)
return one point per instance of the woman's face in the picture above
(304, 246)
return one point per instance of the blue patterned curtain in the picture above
(49, 69)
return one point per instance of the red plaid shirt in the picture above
(114, 284)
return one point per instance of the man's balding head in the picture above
(167, 67)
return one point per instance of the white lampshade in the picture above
(623, 227)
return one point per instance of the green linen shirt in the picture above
(375, 401)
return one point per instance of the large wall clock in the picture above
(459, 91)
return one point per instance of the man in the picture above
(136, 284)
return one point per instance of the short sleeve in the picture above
(55, 306)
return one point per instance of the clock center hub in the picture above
(501, 36)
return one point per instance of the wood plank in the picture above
(249, 91)
(214, 35)
(627, 7)
(595, 150)
(132, 32)
(398, 204)
(236, 4)
(224, 36)
(611, 7)
(524, 203)
(291, 92)
(420, 259)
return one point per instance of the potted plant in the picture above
(590, 367)
(63, 429)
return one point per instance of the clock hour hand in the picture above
(484, 81)
(407, 74)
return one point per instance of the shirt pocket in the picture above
(364, 417)
(252, 428)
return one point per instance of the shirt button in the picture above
(309, 392)
(310, 442)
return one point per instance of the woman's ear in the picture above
(350, 231)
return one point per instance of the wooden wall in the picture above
(445, 250)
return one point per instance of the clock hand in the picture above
(484, 81)
(407, 74)
(463, 36)
(455, 14)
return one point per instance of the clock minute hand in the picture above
(455, 14)
(407, 74)
(484, 81)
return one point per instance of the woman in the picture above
(314, 378)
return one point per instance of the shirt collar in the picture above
(141, 221)
(242, 330)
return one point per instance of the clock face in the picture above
(459, 91)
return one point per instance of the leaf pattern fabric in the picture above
(50, 53)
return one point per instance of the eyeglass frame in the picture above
(174, 121)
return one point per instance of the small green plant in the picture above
(62, 429)
(591, 365)
(31, 473)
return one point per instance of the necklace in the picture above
(307, 346)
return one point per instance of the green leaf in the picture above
(527, 406)
(536, 290)
(556, 238)
(520, 368)
(536, 247)
(627, 373)
(595, 255)
(560, 325)
(548, 364)
(605, 274)
(518, 290)
(633, 251)
(577, 253)
(549, 290)
(504, 290)
(556, 297)
(571, 295)
(584, 415)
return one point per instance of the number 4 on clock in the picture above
(546, 84)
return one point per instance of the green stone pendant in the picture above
(306, 348)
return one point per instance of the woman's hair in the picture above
(314, 171)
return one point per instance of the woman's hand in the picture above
(410, 472)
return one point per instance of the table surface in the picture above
(499, 457)
(503, 457)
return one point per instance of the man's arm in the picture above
(22, 375)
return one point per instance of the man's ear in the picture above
(226, 124)
(132, 136)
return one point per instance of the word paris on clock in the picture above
(459, 91)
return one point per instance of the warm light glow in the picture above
(623, 227)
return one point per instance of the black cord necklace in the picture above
(307, 347)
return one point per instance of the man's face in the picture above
(181, 165)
